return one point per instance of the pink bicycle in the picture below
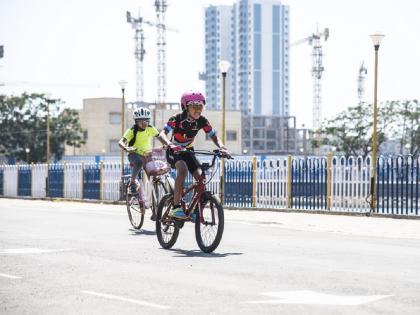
(159, 184)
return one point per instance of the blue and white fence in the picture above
(398, 185)
(329, 183)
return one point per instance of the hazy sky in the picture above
(81, 48)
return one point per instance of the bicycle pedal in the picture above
(179, 223)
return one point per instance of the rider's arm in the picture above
(163, 138)
(170, 125)
(208, 129)
(218, 142)
(127, 136)
(123, 143)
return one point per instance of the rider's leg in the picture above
(197, 174)
(181, 174)
(193, 164)
(136, 161)
(182, 171)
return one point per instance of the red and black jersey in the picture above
(184, 130)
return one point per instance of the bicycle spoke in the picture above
(136, 212)
(166, 230)
(208, 230)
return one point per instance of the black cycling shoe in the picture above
(179, 223)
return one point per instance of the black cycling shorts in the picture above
(187, 156)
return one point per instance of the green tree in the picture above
(407, 127)
(23, 124)
(351, 130)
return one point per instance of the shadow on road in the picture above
(141, 232)
(199, 253)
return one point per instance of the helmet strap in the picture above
(189, 116)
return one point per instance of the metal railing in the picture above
(311, 183)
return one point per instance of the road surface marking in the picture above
(29, 250)
(264, 224)
(120, 298)
(312, 297)
(4, 275)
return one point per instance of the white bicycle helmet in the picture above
(141, 113)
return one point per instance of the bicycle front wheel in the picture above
(135, 211)
(166, 230)
(209, 223)
(159, 190)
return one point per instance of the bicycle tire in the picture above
(166, 239)
(208, 205)
(135, 210)
(159, 190)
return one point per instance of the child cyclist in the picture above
(137, 141)
(184, 127)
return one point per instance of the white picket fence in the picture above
(73, 180)
(10, 180)
(39, 180)
(350, 184)
(272, 188)
(111, 175)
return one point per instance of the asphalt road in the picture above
(82, 258)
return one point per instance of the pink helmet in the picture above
(192, 96)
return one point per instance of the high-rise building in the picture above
(218, 42)
(253, 35)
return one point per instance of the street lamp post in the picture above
(27, 150)
(376, 39)
(48, 100)
(408, 146)
(122, 85)
(224, 67)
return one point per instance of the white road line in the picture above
(29, 250)
(268, 224)
(4, 275)
(316, 298)
(120, 298)
(111, 212)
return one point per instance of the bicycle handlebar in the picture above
(216, 153)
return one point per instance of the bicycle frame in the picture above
(198, 188)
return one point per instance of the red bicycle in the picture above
(204, 209)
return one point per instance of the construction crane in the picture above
(317, 69)
(139, 52)
(361, 82)
(160, 7)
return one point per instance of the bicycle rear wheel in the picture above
(135, 210)
(209, 223)
(166, 230)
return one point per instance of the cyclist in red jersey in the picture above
(184, 127)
